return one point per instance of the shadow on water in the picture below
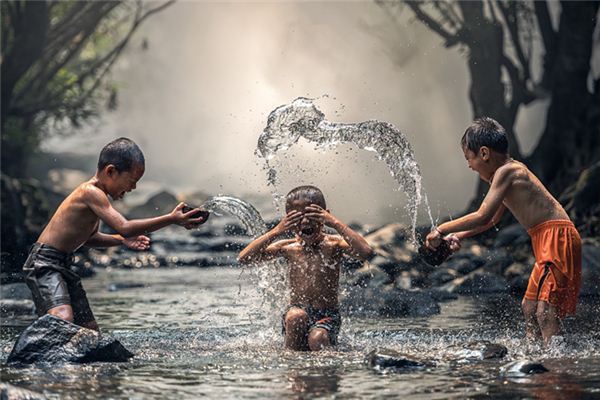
(199, 332)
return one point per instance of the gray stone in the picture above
(53, 340)
(522, 368)
(512, 234)
(10, 392)
(390, 360)
(477, 282)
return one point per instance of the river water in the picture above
(202, 332)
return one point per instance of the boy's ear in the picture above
(484, 151)
(110, 170)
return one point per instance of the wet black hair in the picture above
(308, 192)
(485, 131)
(123, 153)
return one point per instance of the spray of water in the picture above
(301, 118)
(270, 278)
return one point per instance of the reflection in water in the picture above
(202, 336)
(309, 383)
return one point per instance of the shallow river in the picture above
(203, 333)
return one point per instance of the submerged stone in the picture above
(11, 392)
(522, 368)
(391, 360)
(487, 350)
(53, 340)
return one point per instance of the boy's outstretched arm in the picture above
(353, 242)
(483, 216)
(495, 219)
(102, 240)
(98, 202)
(263, 248)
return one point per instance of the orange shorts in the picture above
(556, 275)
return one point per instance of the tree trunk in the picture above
(484, 39)
(570, 141)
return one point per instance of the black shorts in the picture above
(53, 284)
(328, 319)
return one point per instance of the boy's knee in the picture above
(318, 339)
(295, 318)
(63, 312)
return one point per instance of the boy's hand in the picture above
(453, 241)
(317, 213)
(290, 221)
(185, 219)
(137, 242)
(433, 239)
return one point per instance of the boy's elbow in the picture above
(483, 219)
(125, 230)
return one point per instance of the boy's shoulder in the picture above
(509, 171)
(88, 191)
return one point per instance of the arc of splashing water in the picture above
(301, 118)
(269, 277)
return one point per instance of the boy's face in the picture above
(478, 162)
(119, 183)
(309, 230)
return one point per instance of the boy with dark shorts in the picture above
(56, 289)
(312, 320)
(555, 280)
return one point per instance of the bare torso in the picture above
(314, 273)
(72, 224)
(528, 199)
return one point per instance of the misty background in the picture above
(197, 97)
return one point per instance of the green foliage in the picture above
(56, 63)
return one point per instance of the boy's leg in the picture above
(532, 331)
(63, 312)
(549, 321)
(318, 339)
(82, 312)
(296, 324)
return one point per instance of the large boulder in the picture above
(161, 203)
(389, 301)
(511, 235)
(53, 340)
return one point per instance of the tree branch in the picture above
(450, 38)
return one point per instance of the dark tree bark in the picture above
(569, 144)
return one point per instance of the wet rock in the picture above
(10, 392)
(498, 261)
(440, 295)
(486, 350)
(117, 286)
(522, 368)
(15, 291)
(391, 360)
(590, 270)
(50, 340)
(386, 235)
(13, 307)
(511, 235)
(477, 282)
(369, 275)
(389, 301)
(442, 275)
(463, 265)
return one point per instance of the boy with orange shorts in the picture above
(554, 284)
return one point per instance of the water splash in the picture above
(270, 277)
(301, 118)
